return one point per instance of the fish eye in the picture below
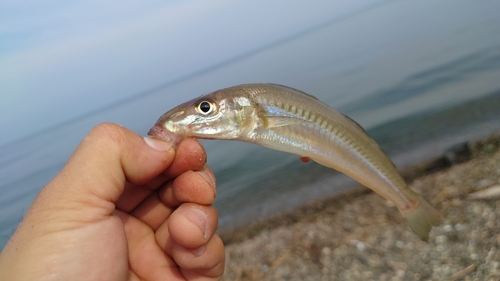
(205, 107)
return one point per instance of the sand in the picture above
(360, 236)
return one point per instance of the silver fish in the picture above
(289, 120)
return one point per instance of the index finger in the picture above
(189, 156)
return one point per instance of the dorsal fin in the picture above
(355, 123)
(364, 131)
(293, 90)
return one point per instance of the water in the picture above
(419, 75)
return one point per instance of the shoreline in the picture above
(358, 235)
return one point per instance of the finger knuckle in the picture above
(108, 132)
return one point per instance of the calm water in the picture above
(435, 84)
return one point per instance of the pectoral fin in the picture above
(280, 121)
(304, 159)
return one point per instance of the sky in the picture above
(63, 59)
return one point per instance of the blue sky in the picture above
(63, 59)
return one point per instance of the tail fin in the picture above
(422, 218)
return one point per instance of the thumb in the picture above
(108, 156)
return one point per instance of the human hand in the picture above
(122, 208)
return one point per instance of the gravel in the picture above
(361, 236)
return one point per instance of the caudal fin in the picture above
(422, 218)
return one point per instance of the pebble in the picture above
(367, 240)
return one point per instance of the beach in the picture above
(358, 235)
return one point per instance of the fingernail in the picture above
(207, 176)
(198, 251)
(198, 217)
(157, 144)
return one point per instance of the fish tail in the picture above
(422, 218)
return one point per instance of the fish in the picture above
(289, 120)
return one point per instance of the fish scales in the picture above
(335, 136)
(289, 120)
(345, 138)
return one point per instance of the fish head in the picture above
(219, 115)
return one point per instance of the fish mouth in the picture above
(166, 135)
